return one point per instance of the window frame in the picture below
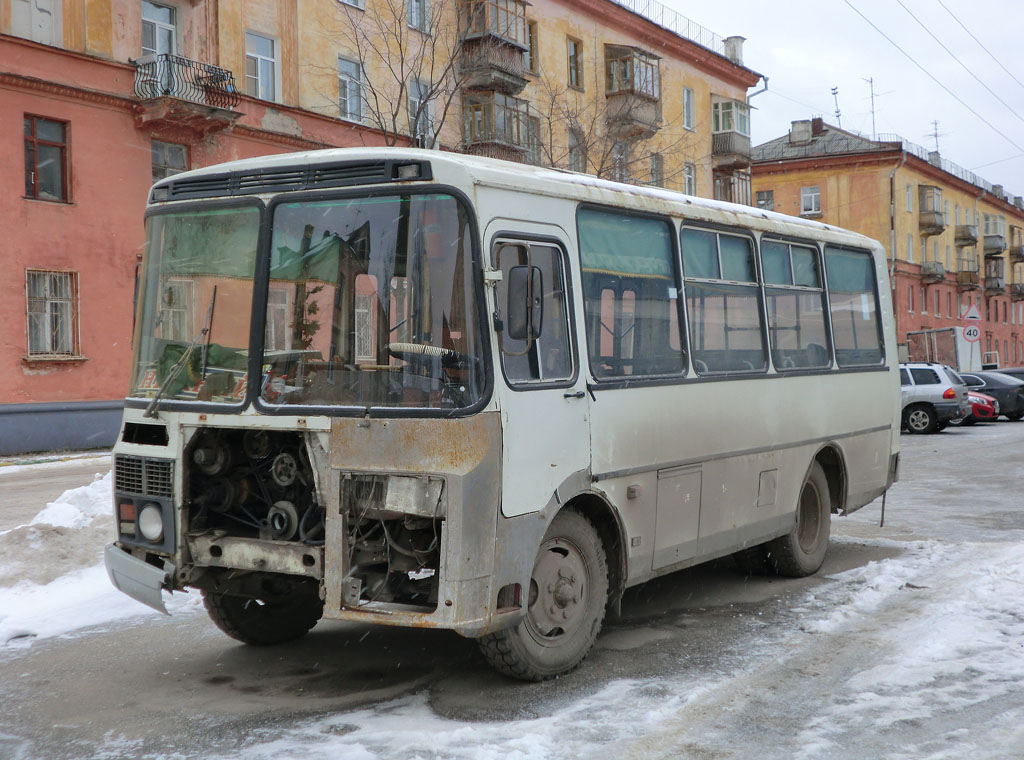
(689, 109)
(73, 329)
(810, 193)
(515, 237)
(531, 55)
(574, 62)
(419, 19)
(166, 169)
(158, 25)
(349, 80)
(32, 174)
(275, 93)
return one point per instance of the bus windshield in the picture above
(192, 327)
(371, 304)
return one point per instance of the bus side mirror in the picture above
(525, 303)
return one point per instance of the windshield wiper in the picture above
(176, 369)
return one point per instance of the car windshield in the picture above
(192, 323)
(372, 303)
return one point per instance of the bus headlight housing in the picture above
(151, 522)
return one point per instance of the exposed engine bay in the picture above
(251, 506)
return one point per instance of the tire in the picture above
(970, 419)
(919, 418)
(1016, 416)
(566, 605)
(802, 551)
(271, 619)
(940, 426)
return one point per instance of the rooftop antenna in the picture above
(871, 85)
(935, 134)
(835, 94)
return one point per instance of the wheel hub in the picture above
(559, 600)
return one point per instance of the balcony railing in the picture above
(966, 234)
(994, 245)
(995, 285)
(933, 271)
(730, 149)
(1017, 291)
(1017, 254)
(968, 279)
(173, 76)
(489, 64)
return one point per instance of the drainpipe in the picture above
(892, 223)
(763, 89)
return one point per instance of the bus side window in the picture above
(631, 295)
(723, 302)
(796, 306)
(549, 357)
(853, 303)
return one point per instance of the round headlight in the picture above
(151, 522)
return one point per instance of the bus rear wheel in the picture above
(565, 609)
(271, 618)
(802, 551)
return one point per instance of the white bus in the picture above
(426, 389)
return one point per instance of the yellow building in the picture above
(954, 240)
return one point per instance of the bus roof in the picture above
(491, 172)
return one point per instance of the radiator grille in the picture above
(147, 477)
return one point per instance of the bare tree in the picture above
(408, 54)
(614, 138)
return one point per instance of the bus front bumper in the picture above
(140, 580)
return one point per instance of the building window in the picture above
(533, 149)
(995, 224)
(949, 305)
(38, 20)
(46, 159)
(419, 15)
(620, 162)
(810, 200)
(688, 108)
(690, 179)
(657, 170)
(938, 307)
(910, 198)
(924, 250)
(730, 116)
(354, 3)
(260, 66)
(177, 304)
(168, 159)
(52, 299)
(531, 59)
(350, 90)
(910, 299)
(577, 152)
(159, 31)
(575, 60)
(945, 214)
(766, 199)
(421, 122)
(910, 248)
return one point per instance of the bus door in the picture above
(543, 396)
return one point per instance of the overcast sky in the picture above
(807, 47)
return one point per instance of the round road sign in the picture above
(972, 333)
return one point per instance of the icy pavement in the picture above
(919, 656)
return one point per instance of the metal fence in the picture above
(174, 76)
(675, 22)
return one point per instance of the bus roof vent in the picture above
(302, 177)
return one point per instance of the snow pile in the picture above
(52, 578)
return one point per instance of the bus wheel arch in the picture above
(801, 552)
(566, 604)
(613, 537)
(831, 460)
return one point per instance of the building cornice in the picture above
(69, 92)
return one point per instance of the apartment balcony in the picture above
(994, 245)
(995, 285)
(632, 115)
(1017, 254)
(968, 279)
(930, 222)
(496, 126)
(730, 150)
(966, 234)
(932, 271)
(493, 63)
(178, 93)
(1017, 291)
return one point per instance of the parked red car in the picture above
(984, 408)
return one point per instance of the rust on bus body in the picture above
(451, 446)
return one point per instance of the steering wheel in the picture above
(450, 358)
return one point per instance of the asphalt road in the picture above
(177, 687)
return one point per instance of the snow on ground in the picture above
(52, 578)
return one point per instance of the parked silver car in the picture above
(933, 394)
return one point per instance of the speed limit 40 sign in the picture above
(972, 333)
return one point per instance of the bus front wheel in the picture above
(802, 551)
(565, 607)
(272, 618)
